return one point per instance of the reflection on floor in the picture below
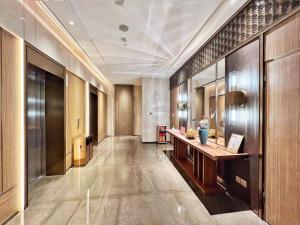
(125, 183)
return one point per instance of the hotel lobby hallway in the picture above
(126, 183)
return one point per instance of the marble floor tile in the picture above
(126, 183)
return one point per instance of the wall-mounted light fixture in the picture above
(181, 105)
(236, 98)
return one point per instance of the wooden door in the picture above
(124, 109)
(282, 177)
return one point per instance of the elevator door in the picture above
(94, 117)
(55, 125)
(36, 123)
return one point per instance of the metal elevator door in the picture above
(36, 123)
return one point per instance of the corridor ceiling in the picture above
(130, 39)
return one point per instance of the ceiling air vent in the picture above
(123, 28)
(119, 2)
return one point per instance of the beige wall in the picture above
(75, 110)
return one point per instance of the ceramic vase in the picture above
(203, 135)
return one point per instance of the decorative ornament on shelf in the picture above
(191, 134)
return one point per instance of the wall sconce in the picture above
(236, 98)
(181, 105)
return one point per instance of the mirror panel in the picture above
(208, 100)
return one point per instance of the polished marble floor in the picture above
(126, 183)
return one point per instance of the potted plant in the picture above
(203, 131)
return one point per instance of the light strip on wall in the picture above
(22, 126)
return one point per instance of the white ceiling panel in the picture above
(162, 33)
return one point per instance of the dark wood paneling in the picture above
(124, 109)
(243, 66)
(55, 120)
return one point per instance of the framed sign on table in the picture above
(235, 143)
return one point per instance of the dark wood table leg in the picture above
(209, 172)
(195, 162)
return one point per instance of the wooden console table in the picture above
(203, 168)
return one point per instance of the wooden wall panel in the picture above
(283, 141)
(10, 118)
(283, 39)
(10, 109)
(75, 101)
(8, 204)
(282, 175)
(137, 110)
(242, 73)
(102, 116)
(124, 110)
(174, 119)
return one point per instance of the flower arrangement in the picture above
(204, 123)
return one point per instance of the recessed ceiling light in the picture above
(123, 28)
(71, 23)
(124, 39)
(125, 45)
